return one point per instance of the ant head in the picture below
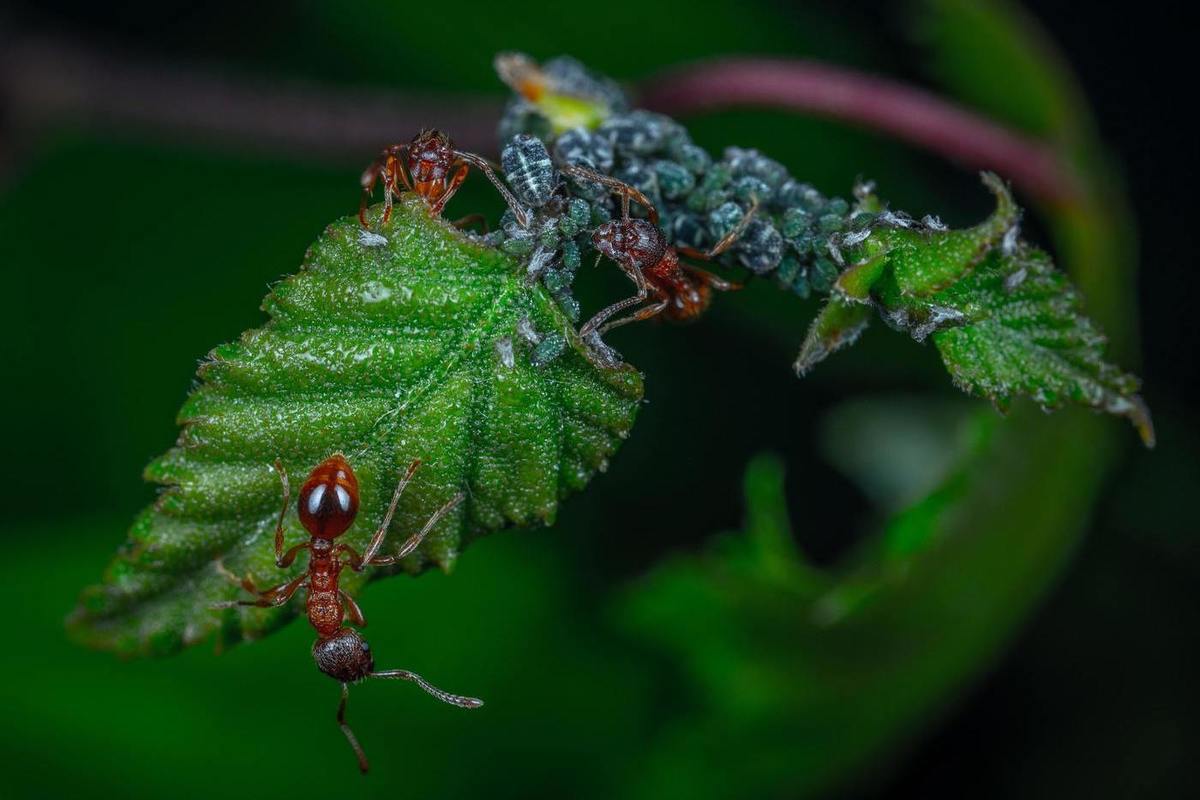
(329, 498)
(429, 156)
(635, 243)
(345, 656)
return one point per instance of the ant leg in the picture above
(389, 189)
(414, 541)
(377, 539)
(246, 582)
(639, 280)
(369, 177)
(638, 316)
(710, 279)
(444, 696)
(395, 166)
(269, 598)
(383, 165)
(626, 191)
(604, 314)
(726, 241)
(350, 737)
(352, 610)
(463, 222)
(482, 164)
(287, 497)
(285, 561)
(460, 175)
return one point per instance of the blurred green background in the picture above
(862, 584)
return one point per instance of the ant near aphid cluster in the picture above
(328, 506)
(430, 167)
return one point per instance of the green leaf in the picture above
(414, 344)
(1004, 320)
(793, 676)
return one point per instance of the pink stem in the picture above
(909, 114)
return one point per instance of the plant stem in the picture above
(904, 112)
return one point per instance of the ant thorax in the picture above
(635, 243)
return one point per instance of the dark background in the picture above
(128, 253)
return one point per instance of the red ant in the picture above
(328, 505)
(682, 292)
(430, 167)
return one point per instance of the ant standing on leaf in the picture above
(681, 292)
(328, 505)
(430, 167)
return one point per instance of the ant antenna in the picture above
(440, 694)
(482, 164)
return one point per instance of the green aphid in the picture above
(722, 219)
(718, 177)
(569, 305)
(550, 348)
(580, 212)
(839, 206)
(795, 223)
(567, 226)
(674, 180)
(697, 201)
(518, 246)
(788, 268)
(715, 200)
(694, 159)
(556, 280)
(570, 256)
(822, 274)
(748, 189)
(831, 223)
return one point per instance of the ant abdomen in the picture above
(344, 656)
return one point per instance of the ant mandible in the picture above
(328, 505)
(430, 167)
(681, 291)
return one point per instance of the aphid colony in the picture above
(797, 234)
(586, 176)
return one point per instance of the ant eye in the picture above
(365, 647)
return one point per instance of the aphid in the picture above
(328, 506)
(581, 146)
(749, 162)
(638, 133)
(761, 247)
(563, 91)
(529, 170)
(430, 167)
(680, 291)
